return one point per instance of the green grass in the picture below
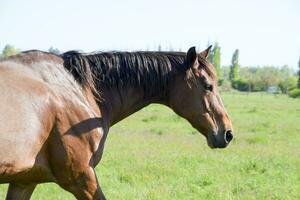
(154, 154)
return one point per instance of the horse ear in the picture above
(191, 57)
(206, 52)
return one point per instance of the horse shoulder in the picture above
(78, 138)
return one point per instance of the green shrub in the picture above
(295, 93)
(288, 84)
(241, 84)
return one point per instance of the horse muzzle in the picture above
(219, 140)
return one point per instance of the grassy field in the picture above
(154, 154)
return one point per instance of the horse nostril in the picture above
(228, 136)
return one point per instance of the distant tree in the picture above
(9, 50)
(210, 56)
(216, 60)
(269, 76)
(234, 68)
(286, 77)
(159, 47)
(299, 74)
(54, 50)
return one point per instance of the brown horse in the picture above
(55, 111)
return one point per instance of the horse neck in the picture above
(120, 103)
(148, 84)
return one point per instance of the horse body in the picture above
(55, 116)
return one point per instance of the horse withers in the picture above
(56, 110)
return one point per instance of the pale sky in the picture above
(266, 32)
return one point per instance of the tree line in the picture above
(246, 78)
(254, 79)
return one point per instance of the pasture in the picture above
(154, 154)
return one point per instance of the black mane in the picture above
(147, 70)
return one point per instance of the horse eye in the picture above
(205, 84)
(208, 87)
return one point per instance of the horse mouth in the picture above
(214, 142)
